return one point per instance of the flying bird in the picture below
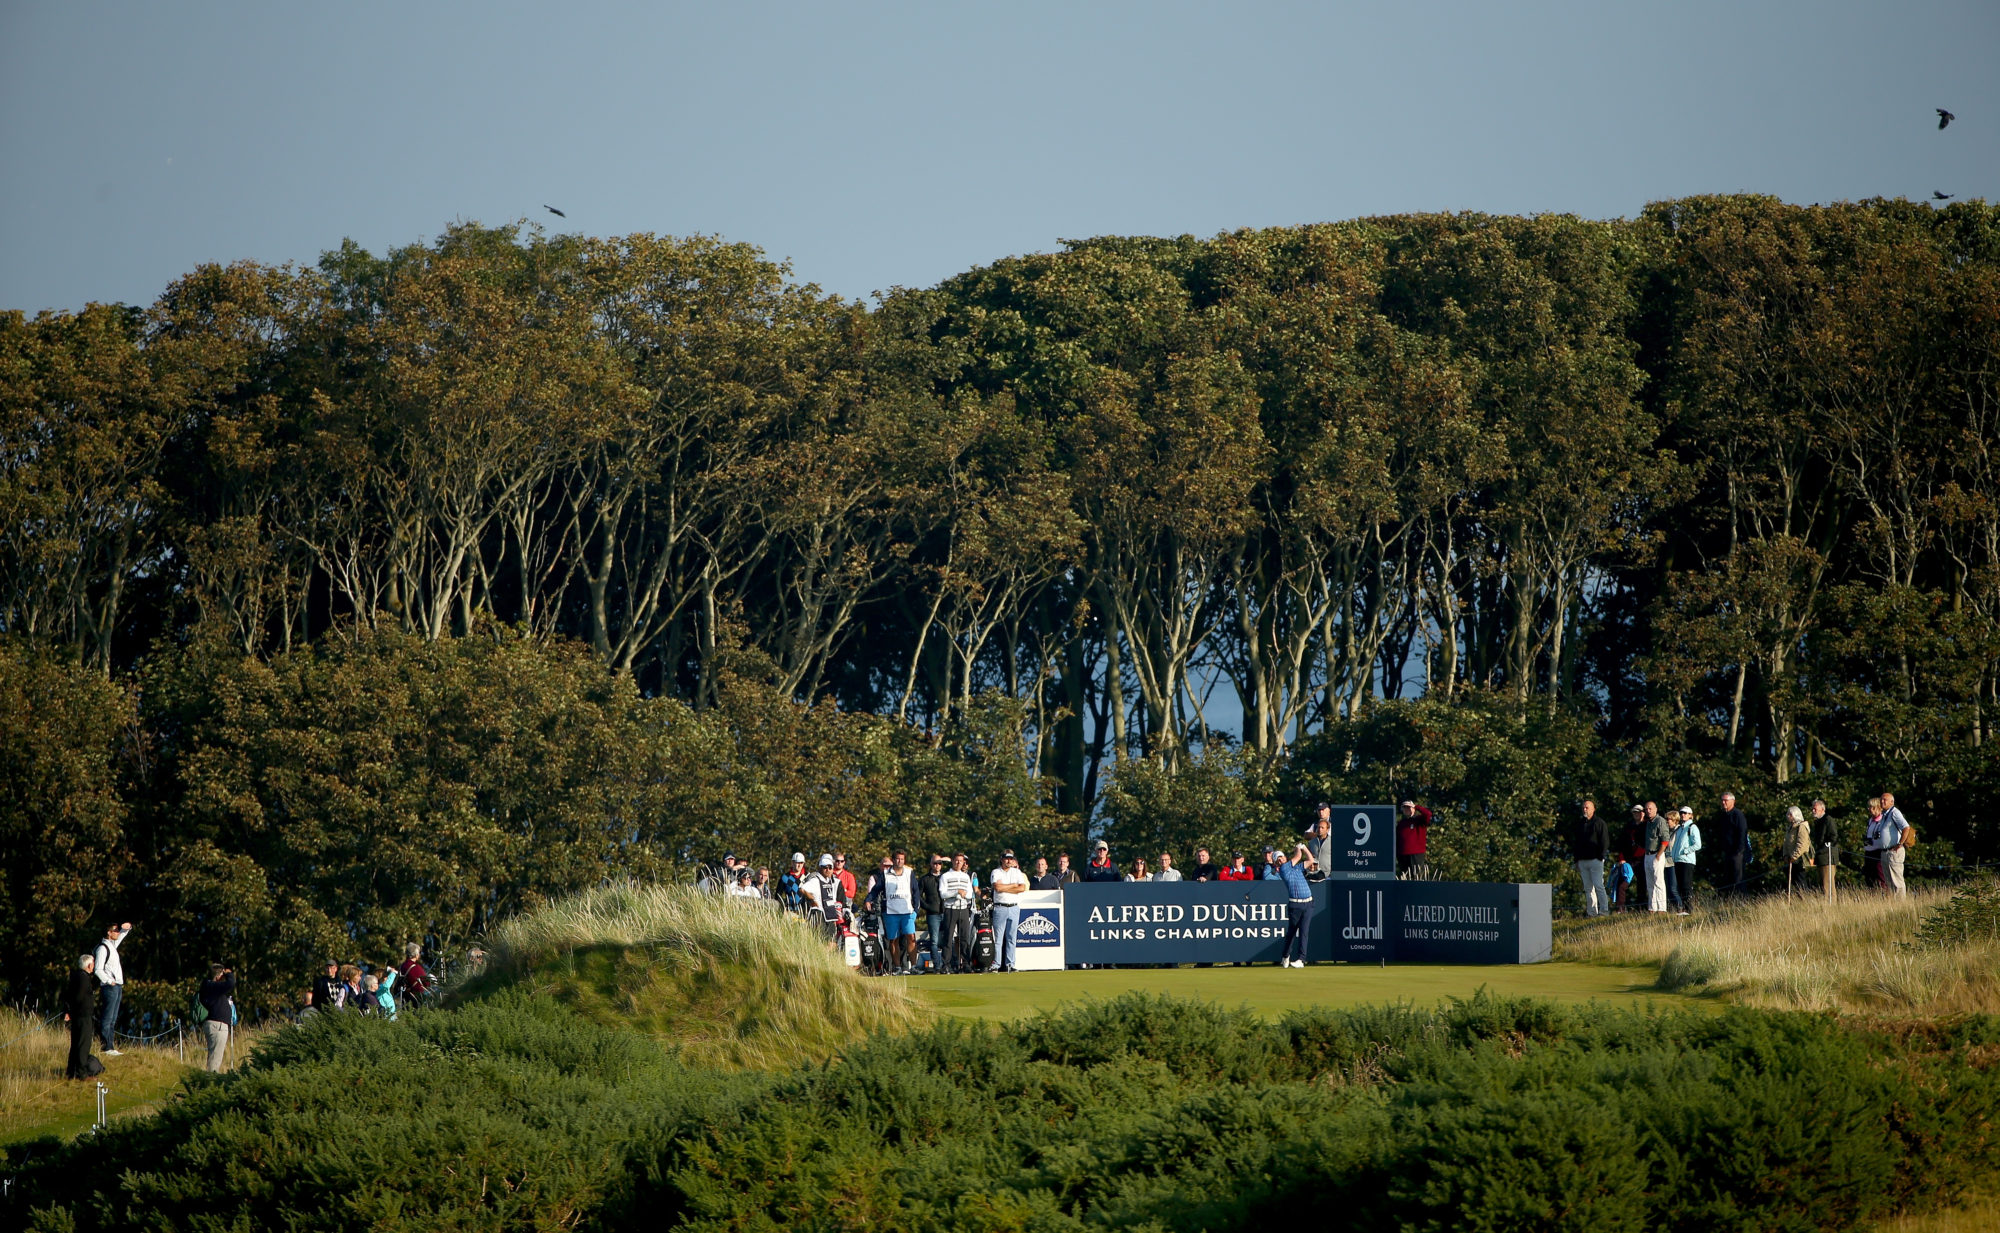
(559, 214)
(1937, 196)
(1944, 117)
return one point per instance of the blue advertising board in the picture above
(1354, 921)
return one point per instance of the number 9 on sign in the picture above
(1362, 828)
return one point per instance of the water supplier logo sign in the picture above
(1040, 927)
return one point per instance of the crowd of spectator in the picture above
(1648, 863)
(950, 906)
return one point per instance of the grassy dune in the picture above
(726, 983)
(1852, 955)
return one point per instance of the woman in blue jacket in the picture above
(1681, 851)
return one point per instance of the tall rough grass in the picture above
(1853, 955)
(724, 982)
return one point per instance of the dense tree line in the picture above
(1706, 496)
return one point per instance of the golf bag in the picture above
(982, 944)
(874, 955)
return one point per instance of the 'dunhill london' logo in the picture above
(1040, 928)
(1373, 926)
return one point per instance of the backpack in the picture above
(1909, 837)
(198, 1011)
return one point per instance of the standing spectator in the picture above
(1657, 835)
(1298, 911)
(1141, 872)
(1101, 869)
(1043, 879)
(1871, 845)
(956, 889)
(790, 881)
(1239, 870)
(931, 900)
(1732, 839)
(1319, 842)
(306, 1012)
(327, 990)
(218, 999)
(743, 887)
(1204, 869)
(350, 989)
(1826, 835)
(1673, 819)
(1621, 885)
(1797, 850)
(846, 875)
(1632, 841)
(1064, 873)
(764, 888)
(1413, 843)
(79, 1005)
(1681, 851)
(826, 896)
(1895, 839)
(383, 989)
(110, 978)
(899, 913)
(1269, 873)
(1008, 882)
(1587, 847)
(1167, 871)
(411, 974)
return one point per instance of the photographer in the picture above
(218, 998)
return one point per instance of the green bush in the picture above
(1141, 1112)
(1972, 914)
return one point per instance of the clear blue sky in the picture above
(876, 145)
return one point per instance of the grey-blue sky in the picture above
(898, 144)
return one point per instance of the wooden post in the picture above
(1826, 873)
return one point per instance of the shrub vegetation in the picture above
(513, 1113)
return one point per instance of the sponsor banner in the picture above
(1471, 922)
(1175, 922)
(1363, 843)
(1354, 921)
(1038, 944)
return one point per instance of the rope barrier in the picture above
(31, 1031)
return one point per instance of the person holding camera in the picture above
(218, 998)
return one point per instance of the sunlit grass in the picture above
(36, 1100)
(1804, 954)
(722, 981)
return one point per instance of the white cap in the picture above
(826, 858)
(798, 858)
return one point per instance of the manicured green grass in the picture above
(1273, 990)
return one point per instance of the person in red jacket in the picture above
(1239, 871)
(1413, 831)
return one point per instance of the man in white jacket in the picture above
(111, 983)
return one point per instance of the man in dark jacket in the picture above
(1588, 845)
(932, 904)
(326, 994)
(1204, 868)
(218, 1002)
(1101, 869)
(1730, 833)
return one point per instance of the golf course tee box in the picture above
(1355, 921)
